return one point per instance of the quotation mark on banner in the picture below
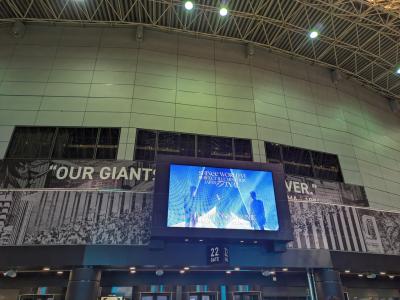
(53, 167)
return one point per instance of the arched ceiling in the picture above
(361, 38)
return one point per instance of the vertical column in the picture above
(328, 285)
(84, 284)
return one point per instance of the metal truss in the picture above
(361, 38)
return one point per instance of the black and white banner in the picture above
(344, 228)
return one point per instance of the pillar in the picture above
(328, 284)
(83, 284)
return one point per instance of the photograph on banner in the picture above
(223, 198)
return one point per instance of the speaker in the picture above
(394, 105)
(18, 30)
(250, 51)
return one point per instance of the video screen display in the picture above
(221, 198)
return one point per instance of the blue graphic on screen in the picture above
(223, 198)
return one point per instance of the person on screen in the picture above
(257, 212)
(189, 207)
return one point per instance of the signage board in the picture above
(217, 255)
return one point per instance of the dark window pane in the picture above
(296, 155)
(214, 147)
(146, 138)
(106, 153)
(325, 160)
(31, 142)
(109, 136)
(148, 155)
(75, 143)
(327, 174)
(168, 143)
(242, 149)
(187, 145)
(273, 151)
(297, 169)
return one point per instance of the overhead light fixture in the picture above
(313, 34)
(228, 272)
(272, 272)
(186, 268)
(255, 242)
(132, 271)
(347, 271)
(182, 271)
(188, 5)
(60, 272)
(10, 273)
(285, 269)
(132, 268)
(382, 273)
(360, 275)
(398, 71)
(200, 240)
(223, 11)
(237, 269)
(186, 240)
(242, 241)
(46, 269)
(391, 276)
(159, 272)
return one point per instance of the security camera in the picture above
(159, 272)
(10, 273)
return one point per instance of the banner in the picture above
(344, 228)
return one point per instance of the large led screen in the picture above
(222, 198)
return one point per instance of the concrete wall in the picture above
(74, 76)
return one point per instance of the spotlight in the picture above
(182, 271)
(60, 272)
(10, 273)
(132, 271)
(272, 272)
(313, 34)
(382, 273)
(159, 272)
(223, 11)
(398, 71)
(267, 273)
(200, 240)
(186, 240)
(189, 5)
(186, 268)
(228, 272)
(132, 268)
(255, 242)
(46, 269)
(237, 269)
(285, 269)
(360, 275)
(347, 271)
(242, 241)
(391, 276)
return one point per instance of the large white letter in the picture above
(105, 173)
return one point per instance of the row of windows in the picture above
(297, 161)
(102, 143)
(64, 143)
(151, 143)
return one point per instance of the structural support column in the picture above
(328, 284)
(84, 284)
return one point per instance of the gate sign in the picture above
(218, 255)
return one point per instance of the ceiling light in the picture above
(186, 268)
(237, 269)
(223, 11)
(132, 268)
(398, 71)
(186, 240)
(347, 271)
(228, 272)
(391, 276)
(360, 275)
(46, 269)
(182, 271)
(313, 34)
(60, 272)
(132, 271)
(285, 269)
(242, 241)
(382, 273)
(200, 240)
(255, 242)
(189, 5)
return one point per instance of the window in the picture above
(149, 143)
(303, 162)
(64, 143)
